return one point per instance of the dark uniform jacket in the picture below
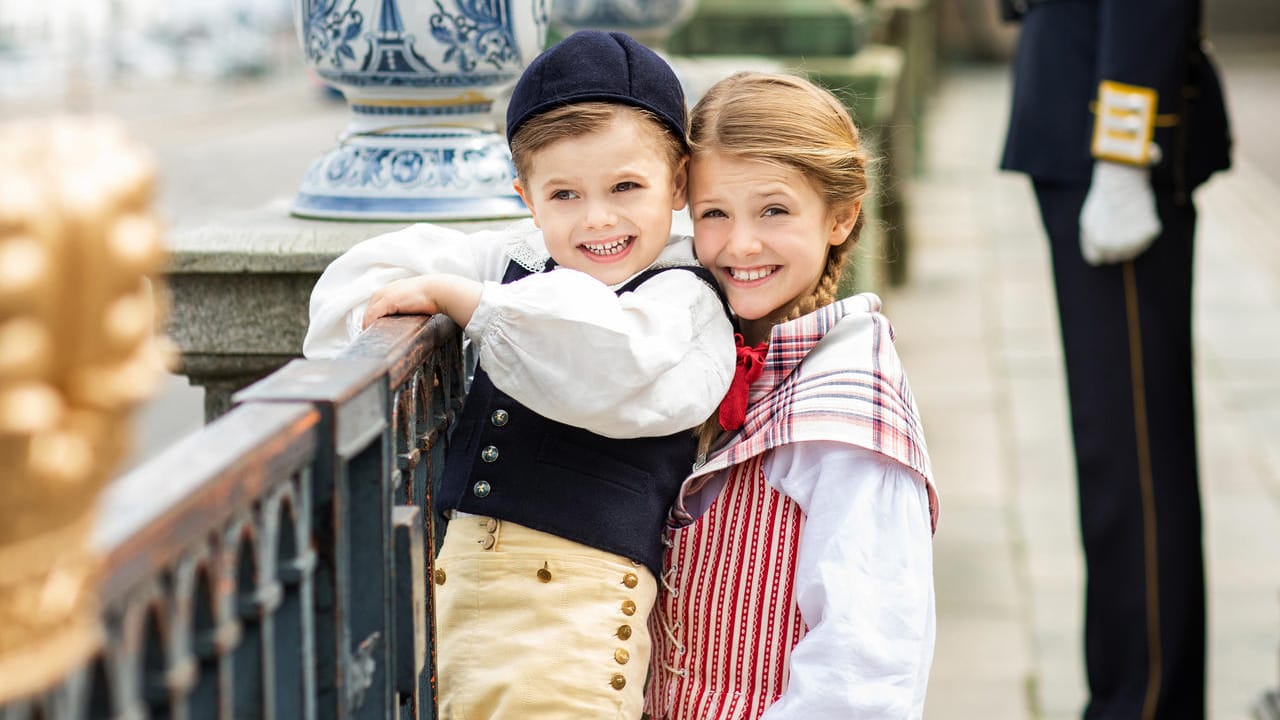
(508, 462)
(1068, 46)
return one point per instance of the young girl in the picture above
(799, 584)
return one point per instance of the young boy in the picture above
(575, 433)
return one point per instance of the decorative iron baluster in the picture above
(256, 597)
(203, 702)
(184, 665)
(295, 563)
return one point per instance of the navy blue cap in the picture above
(591, 65)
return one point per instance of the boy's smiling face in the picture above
(604, 199)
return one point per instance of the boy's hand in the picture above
(451, 295)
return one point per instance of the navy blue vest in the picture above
(508, 462)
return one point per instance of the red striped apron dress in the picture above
(727, 619)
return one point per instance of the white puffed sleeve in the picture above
(864, 583)
(340, 296)
(649, 362)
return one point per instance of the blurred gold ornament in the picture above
(29, 409)
(25, 263)
(78, 352)
(26, 348)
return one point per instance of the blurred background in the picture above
(219, 92)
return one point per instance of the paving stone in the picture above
(965, 699)
(979, 336)
(982, 649)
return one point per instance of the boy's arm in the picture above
(339, 297)
(864, 583)
(647, 363)
(439, 293)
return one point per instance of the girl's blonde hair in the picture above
(794, 124)
(582, 118)
(790, 122)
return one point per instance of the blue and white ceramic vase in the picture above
(420, 77)
(649, 21)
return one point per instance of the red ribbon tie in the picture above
(733, 408)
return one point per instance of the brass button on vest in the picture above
(490, 524)
(630, 580)
(481, 489)
(621, 656)
(440, 578)
(628, 607)
(499, 418)
(624, 631)
(618, 681)
(488, 542)
(489, 454)
(544, 575)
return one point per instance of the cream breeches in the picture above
(531, 626)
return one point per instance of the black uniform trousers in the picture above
(1126, 335)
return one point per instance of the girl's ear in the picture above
(842, 222)
(520, 190)
(680, 185)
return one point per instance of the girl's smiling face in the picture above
(763, 231)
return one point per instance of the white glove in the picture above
(1118, 220)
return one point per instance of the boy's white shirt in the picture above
(647, 363)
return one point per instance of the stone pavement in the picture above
(977, 330)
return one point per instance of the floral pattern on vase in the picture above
(421, 77)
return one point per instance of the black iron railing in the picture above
(277, 563)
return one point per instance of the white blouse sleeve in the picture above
(864, 583)
(649, 362)
(340, 296)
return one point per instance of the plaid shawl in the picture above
(850, 388)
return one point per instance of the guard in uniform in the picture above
(1118, 116)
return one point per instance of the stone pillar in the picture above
(911, 26)
(870, 83)
(240, 290)
(769, 27)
